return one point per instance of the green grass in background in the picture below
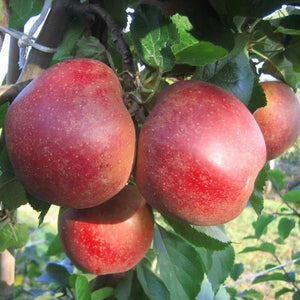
(254, 262)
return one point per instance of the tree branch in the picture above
(9, 92)
(51, 35)
(13, 71)
(89, 11)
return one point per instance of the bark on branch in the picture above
(10, 91)
(90, 11)
(51, 35)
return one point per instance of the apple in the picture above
(199, 153)
(69, 136)
(279, 120)
(110, 238)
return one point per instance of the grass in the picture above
(255, 262)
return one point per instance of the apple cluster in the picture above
(72, 143)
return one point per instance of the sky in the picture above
(5, 48)
(4, 58)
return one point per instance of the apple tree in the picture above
(148, 125)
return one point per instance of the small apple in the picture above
(279, 120)
(199, 153)
(69, 136)
(110, 238)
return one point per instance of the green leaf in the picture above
(236, 271)
(190, 50)
(257, 197)
(199, 54)
(55, 273)
(289, 31)
(264, 247)
(55, 246)
(152, 35)
(247, 8)
(287, 70)
(282, 69)
(275, 276)
(67, 47)
(22, 10)
(233, 73)
(282, 292)
(293, 55)
(206, 292)
(13, 236)
(296, 256)
(296, 295)
(251, 294)
(3, 110)
(289, 25)
(39, 205)
(257, 201)
(222, 294)
(129, 287)
(277, 178)
(258, 97)
(210, 237)
(82, 288)
(261, 224)
(103, 293)
(221, 260)
(12, 192)
(179, 265)
(152, 285)
(91, 47)
(292, 196)
(285, 226)
(5, 164)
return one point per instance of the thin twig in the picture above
(294, 210)
(9, 92)
(285, 272)
(88, 10)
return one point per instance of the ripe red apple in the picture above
(279, 120)
(110, 238)
(69, 136)
(199, 153)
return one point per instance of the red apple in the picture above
(69, 136)
(199, 153)
(279, 120)
(110, 238)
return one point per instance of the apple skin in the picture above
(69, 136)
(279, 120)
(110, 238)
(199, 153)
